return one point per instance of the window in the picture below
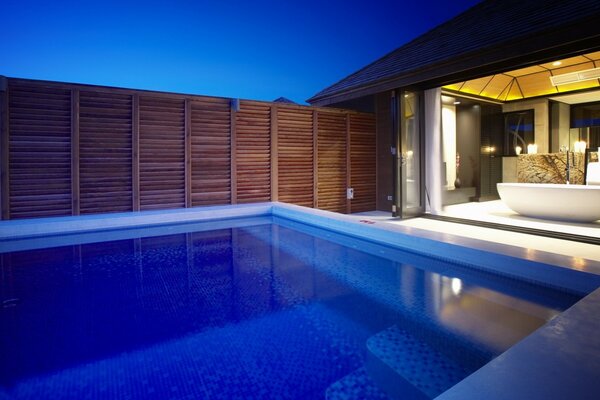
(585, 124)
(518, 131)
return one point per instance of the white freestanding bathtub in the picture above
(579, 203)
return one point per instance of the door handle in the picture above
(402, 159)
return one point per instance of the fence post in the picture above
(75, 202)
(315, 159)
(348, 164)
(188, 153)
(4, 150)
(235, 104)
(274, 155)
(135, 157)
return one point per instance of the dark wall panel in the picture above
(385, 172)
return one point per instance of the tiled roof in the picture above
(487, 24)
(284, 100)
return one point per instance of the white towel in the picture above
(593, 173)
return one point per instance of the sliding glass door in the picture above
(408, 168)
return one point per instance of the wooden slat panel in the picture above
(295, 145)
(162, 153)
(253, 152)
(39, 151)
(363, 162)
(211, 152)
(105, 152)
(331, 161)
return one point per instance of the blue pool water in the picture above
(267, 309)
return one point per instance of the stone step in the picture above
(406, 367)
(356, 385)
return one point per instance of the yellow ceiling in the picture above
(530, 81)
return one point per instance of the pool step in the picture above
(357, 385)
(405, 367)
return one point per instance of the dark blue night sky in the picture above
(250, 49)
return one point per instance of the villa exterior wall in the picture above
(385, 179)
(71, 149)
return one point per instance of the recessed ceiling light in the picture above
(556, 63)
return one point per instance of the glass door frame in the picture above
(400, 206)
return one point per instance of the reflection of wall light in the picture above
(556, 63)
(456, 286)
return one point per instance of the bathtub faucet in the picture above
(568, 167)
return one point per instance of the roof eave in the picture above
(498, 58)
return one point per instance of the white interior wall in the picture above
(449, 143)
(433, 149)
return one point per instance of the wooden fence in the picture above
(69, 149)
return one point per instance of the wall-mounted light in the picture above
(579, 147)
(532, 148)
(518, 150)
(456, 103)
(456, 286)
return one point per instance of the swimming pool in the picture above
(251, 308)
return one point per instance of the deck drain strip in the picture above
(519, 229)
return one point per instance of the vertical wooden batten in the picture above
(233, 152)
(274, 155)
(348, 165)
(188, 153)
(315, 159)
(75, 151)
(135, 146)
(4, 154)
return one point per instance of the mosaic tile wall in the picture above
(550, 168)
